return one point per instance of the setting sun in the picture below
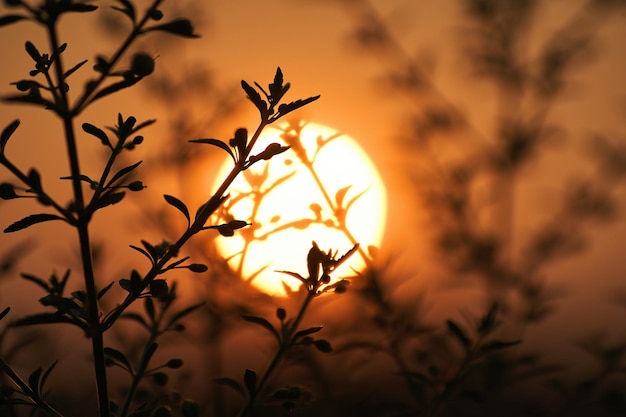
(324, 189)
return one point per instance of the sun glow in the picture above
(324, 189)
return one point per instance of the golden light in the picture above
(324, 189)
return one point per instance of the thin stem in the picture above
(202, 216)
(84, 100)
(141, 369)
(26, 390)
(82, 226)
(286, 343)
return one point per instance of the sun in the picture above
(324, 189)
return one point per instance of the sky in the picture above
(248, 39)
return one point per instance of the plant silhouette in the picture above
(81, 308)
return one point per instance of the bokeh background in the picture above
(497, 127)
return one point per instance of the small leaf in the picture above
(33, 381)
(128, 9)
(184, 313)
(113, 88)
(136, 318)
(4, 312)
(219, 144)
(6, 134)
(458, 333)
(498, 345)
(323, 345)
(75, 68)
(46, 374)
(489, 321)
(284, 109)
(249, 379)
(158, 288)
(118, 357)
(82, 7)
(31, 220)
(142, 251)
(32, 51)
(173, 201)
(97, 132)
(180, 27)
(198, 268)
(174, 363)
(108, 200)
(10, 18)
(307, 332)
(45, 318)
(255, 98)
(341, 194)
(263, 323)
(124, 171)
(148, 305)
(229, 382)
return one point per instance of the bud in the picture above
(142, 64)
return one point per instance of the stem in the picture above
(26, 390)
(82, 226)
(286, 344)
(202, 215)
(141, 369)
(83, 101)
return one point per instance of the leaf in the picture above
(33, 381)
(148, 305)
(118, 357)
(137, 318)
(4, 312)
(105, 290)
(82, 7)
(159, 288)
(32, 51)
(284, 109)
(176, 317)
(249, 379)
(173, 201)
(263, 323)
(124, 171)
(216, 142)
(458, 333)
(295, 275)
(270, 151)
(6, 134)
(40, 282)
(113, 88)
(307, 332)
(128, 9)
(108, 200)
(323, 345)
(31, 99)
(74, 68)
(142, 251)
(46, 374)
(180, 27)
(10, 18)
(489, 321)
(255, 98)
(31, 220)
(341, 194)
(229, 382)
(97, 132)
(45, 318)
(498, 345)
